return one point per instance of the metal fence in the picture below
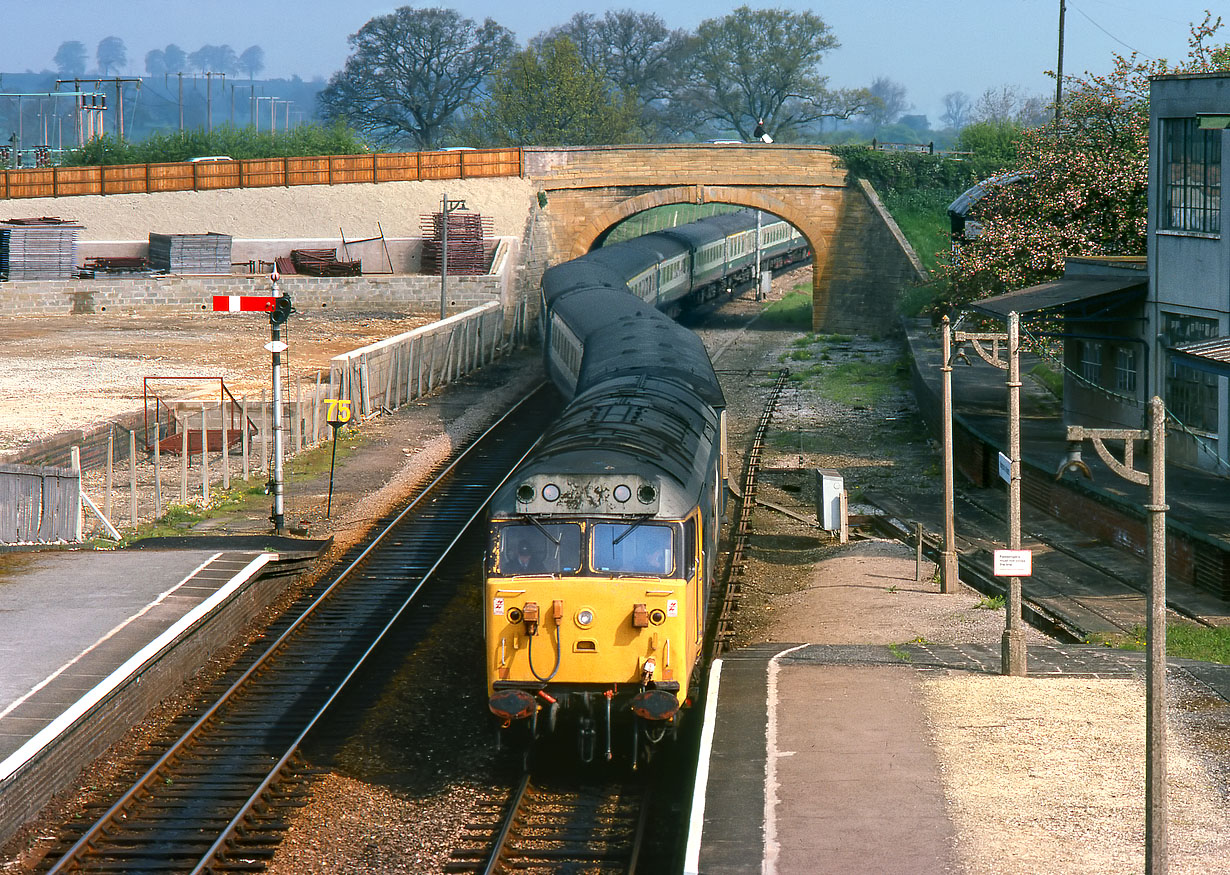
(399, 369)
(39, 505)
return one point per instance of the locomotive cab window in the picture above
(629, 548)
(546, 549)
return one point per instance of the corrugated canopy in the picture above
(1210, 356)
(1061, 293)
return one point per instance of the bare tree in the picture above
(889, 102)
(412, 70)
(957, 109)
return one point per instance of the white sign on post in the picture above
(1014, 563)
(1005, 468)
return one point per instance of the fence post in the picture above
(157, 471)
(389, 373)
(132, 478)
(183, 458)
(204, 459)
(260, 433)
(74, 455)
(316, 410)
(243, 429)
(226, 447)
(110, 463)
(296, 424)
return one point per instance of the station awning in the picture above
(1087, 293)
(1210, 356)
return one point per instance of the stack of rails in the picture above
(323, 262)
(190, 253)
(468, 251)
(38, 249)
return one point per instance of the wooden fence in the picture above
(259, 173)
(39, 505)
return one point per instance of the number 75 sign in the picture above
(337, 411)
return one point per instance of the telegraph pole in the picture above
(1059, 65)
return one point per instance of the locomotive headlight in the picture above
(646, 493)
(585, 618)
(622, 493)
(525, 493)
(649, 666)
(550, 492)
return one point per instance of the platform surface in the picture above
(73, 622)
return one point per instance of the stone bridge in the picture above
(862, 264)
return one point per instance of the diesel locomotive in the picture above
(602, 544)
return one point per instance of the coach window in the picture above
(632, 548)
(544, 549)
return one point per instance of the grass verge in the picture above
(1183, 641)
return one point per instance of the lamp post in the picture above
(1012, 645)
(1156, 852)
(949, 571)
(446, 206)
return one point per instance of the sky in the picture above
(932, 47)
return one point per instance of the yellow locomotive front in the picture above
(594, 611)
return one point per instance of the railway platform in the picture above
(91, 641)
(822, 757)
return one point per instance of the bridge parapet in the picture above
(683, 164)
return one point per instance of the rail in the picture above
(192, 801)
(560, 825)
(747, 503)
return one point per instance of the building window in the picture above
(1191, 395)
(1191, 177)
(1125, 369)
(1091, 362)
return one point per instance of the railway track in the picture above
(558, 825)
(742, 528)
(215, 800)
(1079, 589)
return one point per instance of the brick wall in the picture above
(193, 294)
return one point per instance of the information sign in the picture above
(1014, 563)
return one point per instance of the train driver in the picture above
(523, 562)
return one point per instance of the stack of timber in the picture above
(190, 253)
(468, 251)
(38, 249)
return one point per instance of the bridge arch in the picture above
(860, 266)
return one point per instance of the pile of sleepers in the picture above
(38, 249)
(190, 253)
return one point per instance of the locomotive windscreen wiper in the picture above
(628, 531)
(543, 529)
